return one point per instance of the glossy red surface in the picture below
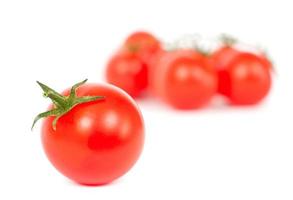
(96, 142)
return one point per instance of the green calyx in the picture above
(228, 40)
(62, 104)
(133, 48)
(202, 51)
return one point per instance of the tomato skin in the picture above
(249, 79)
(220, 59)
(154, 71)
(223, 56)
(128, 72)
(158, 66)
(266, 62)
(143, 43)
(96, 142)
(129, 67)
(184, 79)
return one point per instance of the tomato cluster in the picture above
(187, 78)
(94, 133)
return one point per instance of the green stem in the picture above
(53, 95)
(63, 104)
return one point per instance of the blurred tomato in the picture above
(127, 71)
(220, 59)
(243, 77)
(144, 44)
(129, 67)
(248, 78)
(184, 79)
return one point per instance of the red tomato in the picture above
(95, 142)
(129, 72)
(143, 43)
(154, 78)
(223, 56)
(266, 62)
(248, 79)
(220, 59)
(184, 79)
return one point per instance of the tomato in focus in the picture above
(95, 142)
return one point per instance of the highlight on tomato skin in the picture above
(184, 79)
(95, 142)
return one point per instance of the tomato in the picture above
(222, 56)
(220, 59)
(184, 79)
(143, 43)
(154, 71)
(129, 72)
(129, 68)
(266, 61)
(248, 79)
(96, 141)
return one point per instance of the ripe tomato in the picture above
(96, 141)
(248, 79)
(223, 56)
(129, 72)
(184, 79)
(220, 59)
(143, 43)
(154, 70)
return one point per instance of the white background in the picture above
(210, 154)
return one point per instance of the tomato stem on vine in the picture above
(228, 39)
(62, 104)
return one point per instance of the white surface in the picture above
(211, 154)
